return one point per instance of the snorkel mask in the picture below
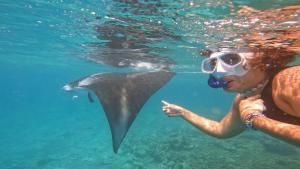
(224, 63)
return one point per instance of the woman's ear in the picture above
(205, 52)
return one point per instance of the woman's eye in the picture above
(231, 59)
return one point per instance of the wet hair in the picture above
(273, 49)
(276, 47)
(271, 59)
(272, 54)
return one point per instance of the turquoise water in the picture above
(45, 44)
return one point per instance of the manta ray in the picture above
(123, 94)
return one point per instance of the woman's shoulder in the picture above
(286, 90)
(287, 78)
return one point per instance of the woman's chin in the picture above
(229, 86)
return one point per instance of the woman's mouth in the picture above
(229, 84)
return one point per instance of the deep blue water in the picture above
(44, 45)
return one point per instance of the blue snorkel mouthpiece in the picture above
(216, 82)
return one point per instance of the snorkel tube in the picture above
(216, 83)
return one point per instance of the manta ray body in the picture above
(122, 96)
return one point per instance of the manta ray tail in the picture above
(122, 96)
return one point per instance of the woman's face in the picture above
(234, 69)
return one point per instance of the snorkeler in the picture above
(268, 91)
(265, 101)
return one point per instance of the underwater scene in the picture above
(139, 52)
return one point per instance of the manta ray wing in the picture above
(122, 96)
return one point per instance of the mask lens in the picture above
(209, 65)
(231, 59)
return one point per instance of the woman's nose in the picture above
(220, 68)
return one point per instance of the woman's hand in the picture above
(171, 109)
(253, 104)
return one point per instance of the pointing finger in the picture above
(165, 103)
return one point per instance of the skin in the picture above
(285, 93)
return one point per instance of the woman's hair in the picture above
(271, 59)
(271, 54)
(273, 48)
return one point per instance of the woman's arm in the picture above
(231, 125)
(287, 132)
(284, 131)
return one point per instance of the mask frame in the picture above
(222, 66)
